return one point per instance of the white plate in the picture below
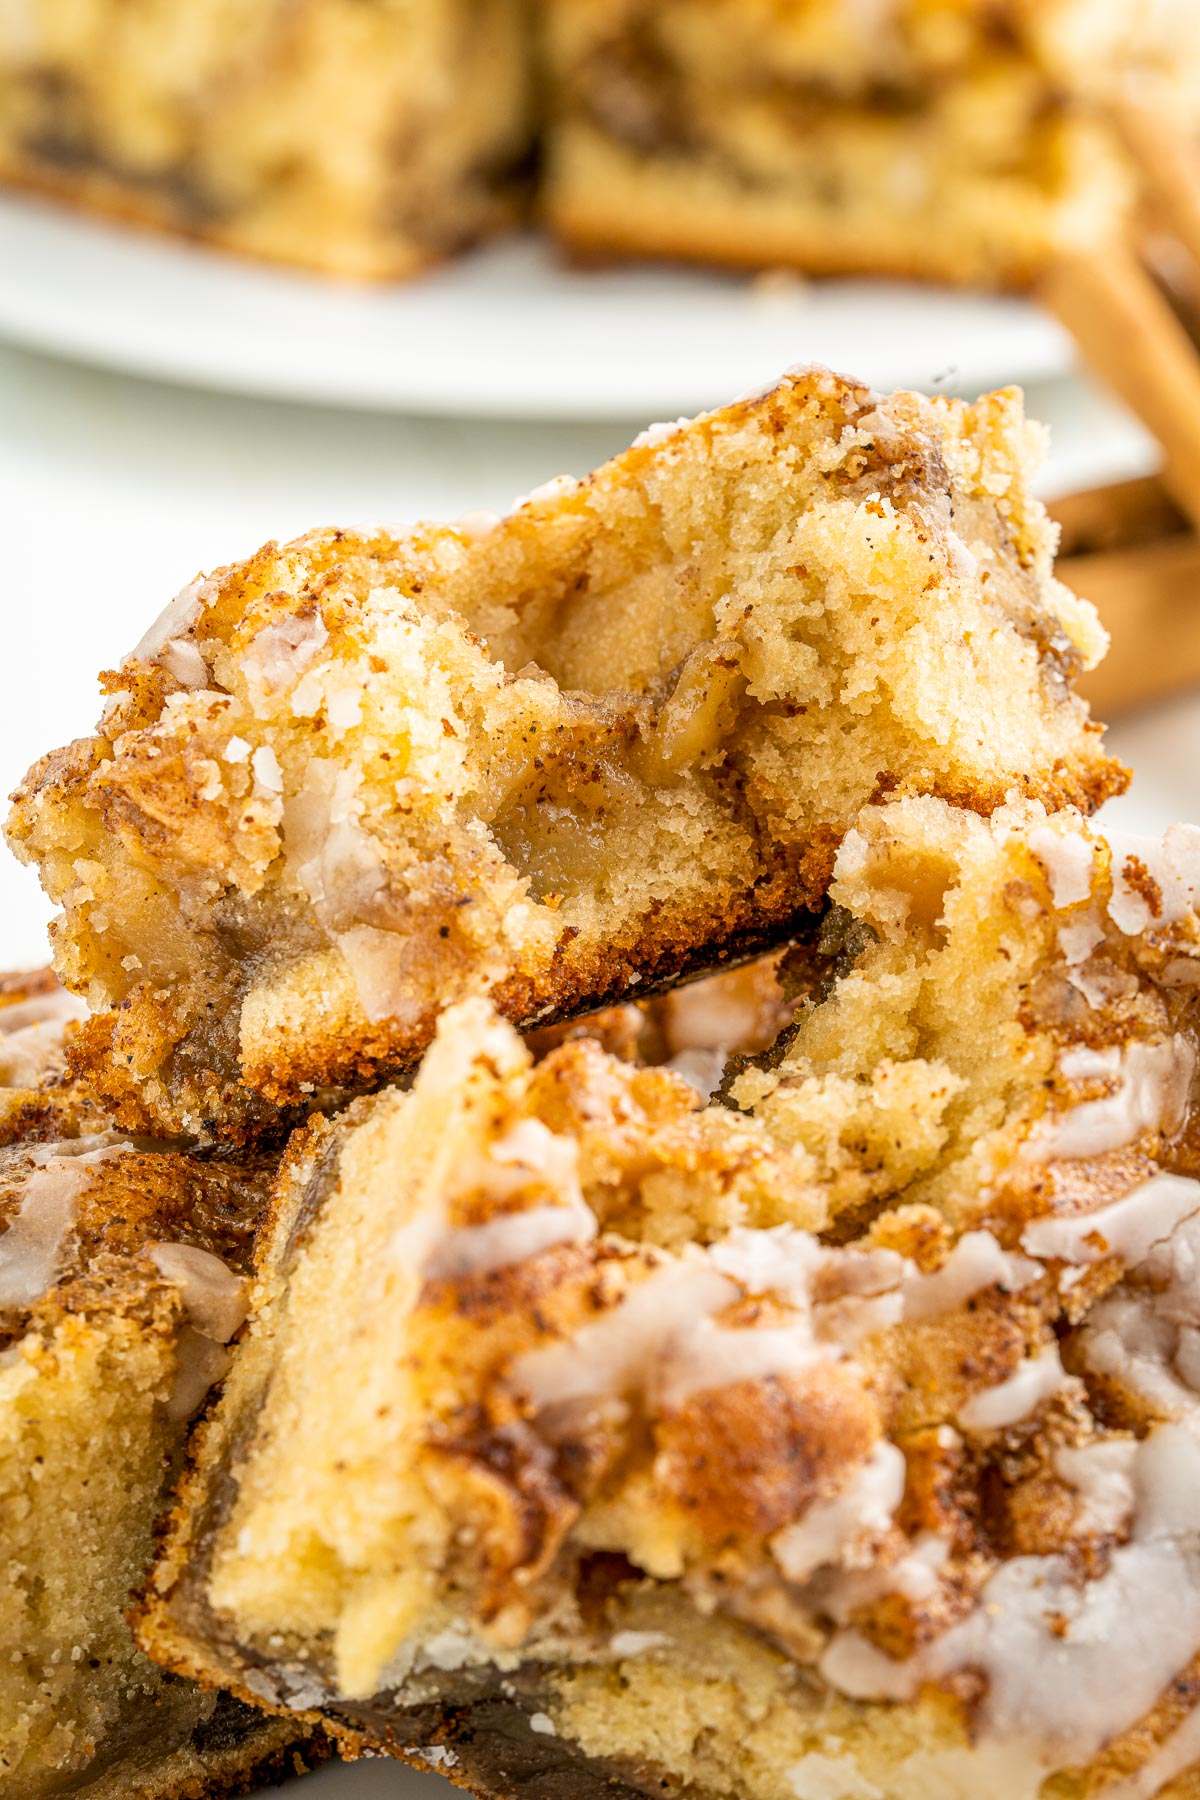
(504, 333)
(376, 1778)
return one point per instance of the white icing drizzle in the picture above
(1173, 864)
(31, 1249)
(1102, 1476)
(182, 659)
(782, 1260)
(179, 616)
(527, 1159)
(821, 1777)
(1018, 1398)
(1068, 859)
(657, 434)
(1172, 1268)
(664, 1337)
(611, 1357)
(32, 1033)
(1079, 939)
(1178, 1753)
(1128, 1632)
(200, 1362)
(475, 526)
(848, 1523)
(1127, 1228)
(848, 1294)
(701, 1069)
(1151, 1092)
(915, 1575)
(555, 489)
(1126, 1340)
(278, 655)
(714, 1356)
(267, 772)
(214, 1298)
(1069, 1664)
(638, 1643)
(1146, 1337)
(507, 1239)
(215, 1302)
(976, 1262)
(855, 1666)
(528, 1154)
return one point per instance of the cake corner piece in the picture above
(119, 1285)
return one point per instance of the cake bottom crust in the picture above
(479, 1735)
(604, 202)
(382, 257)
(234, 1749)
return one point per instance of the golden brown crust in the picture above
(593, 238)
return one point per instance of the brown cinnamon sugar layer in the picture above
(614, 736)
(363, 141)
(592, 1437)
(121, 1278)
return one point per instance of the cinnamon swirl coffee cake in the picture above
(120, 1282)
(359, 139)
(841, 1441)
(548, 757)
(963, 142)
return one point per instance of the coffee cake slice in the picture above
(995, 1003)
(121, 1278)
(362, 141)
(968, 143)
(591, 1441)
(549, 757)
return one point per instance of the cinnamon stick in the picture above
(1169, 165)
(1149, 599)
(1132, 339)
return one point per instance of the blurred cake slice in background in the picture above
(555, 758)
(361, 140)
(120, 1284)
(586, 1439)
(964, 142)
